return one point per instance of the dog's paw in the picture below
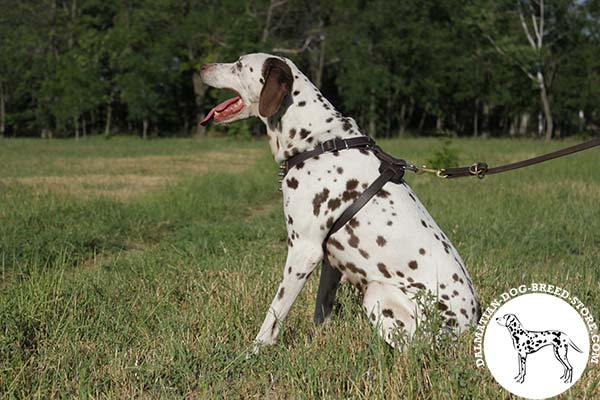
(253, 351)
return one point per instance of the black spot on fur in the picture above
(386, 312)
(333, 204)
(304, 133)
(413, 264)
(383, 269)
(381, 241)
(280, 294)
(355, 269)
(296, 92)
(292, 183)
(336, 244)
(383, 193)
(319, 199)
(363, 253)
(353, 241)
(301, 104)
(329, 222)
(351, 184)
(418, 285)
(350, 195)
(422, 252)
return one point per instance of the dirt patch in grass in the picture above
(231, 161)
(122, 187)
(125, 178)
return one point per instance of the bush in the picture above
(445, 156)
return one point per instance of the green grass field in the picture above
(144, 269)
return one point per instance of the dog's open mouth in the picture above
(225, 110)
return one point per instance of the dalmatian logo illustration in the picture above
(527, 342)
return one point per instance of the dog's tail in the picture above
(573, 346)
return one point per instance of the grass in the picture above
(152, 280)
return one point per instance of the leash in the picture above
(481, 169)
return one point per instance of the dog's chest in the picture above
(318, 192)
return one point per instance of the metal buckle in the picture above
(478, 169)
(424, 169)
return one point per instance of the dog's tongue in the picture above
(218, 108)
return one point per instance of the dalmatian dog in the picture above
(390, 250)
(528, 342)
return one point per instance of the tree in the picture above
(524, 34)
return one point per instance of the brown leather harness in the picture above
(392, 170)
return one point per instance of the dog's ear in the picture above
(278, 84)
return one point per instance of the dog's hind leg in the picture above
(565, 368)
(328, 285)
(390, 310)
(561, 353)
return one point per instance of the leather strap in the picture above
(330, 145)
(359, 203)
(481, 169)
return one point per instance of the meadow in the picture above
(143, 269)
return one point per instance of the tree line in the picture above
(72, 68)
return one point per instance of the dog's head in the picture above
(508, 320)
(260, 81)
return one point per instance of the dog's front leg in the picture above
(301, 261)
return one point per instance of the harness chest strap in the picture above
(391, 169)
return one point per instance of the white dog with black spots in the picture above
(390, 250)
